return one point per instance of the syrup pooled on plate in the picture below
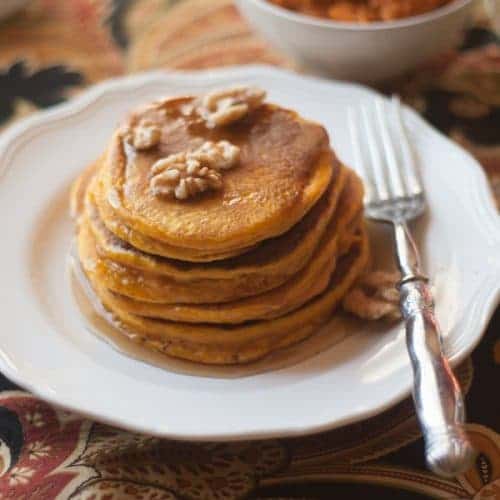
(103, 325)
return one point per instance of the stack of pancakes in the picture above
(229, 275)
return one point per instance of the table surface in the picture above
(55, 48)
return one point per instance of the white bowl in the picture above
(354, 51)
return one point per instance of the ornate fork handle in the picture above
(436, 393)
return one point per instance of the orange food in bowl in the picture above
(361, 10)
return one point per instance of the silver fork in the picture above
(394, 195)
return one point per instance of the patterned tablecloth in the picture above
(55, 48)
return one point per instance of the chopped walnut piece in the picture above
(184, 175)
(374, 297)
(223, 107)
(144, 135)
(221, 155)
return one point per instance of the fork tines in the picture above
(383, 154)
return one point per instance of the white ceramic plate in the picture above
(45, 346)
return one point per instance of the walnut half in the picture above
(184, 175)
(374, 297)
(220, 155)
(144, 135)
(223, 107)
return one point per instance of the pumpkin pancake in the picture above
(229, 344)
(270, 264)
(284, 167)
(149, 245)
(160, 290)
(145, 243)
(301, 288)
(219, 228)
(79, 190)
(151, 287)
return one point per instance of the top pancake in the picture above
(278, 179)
